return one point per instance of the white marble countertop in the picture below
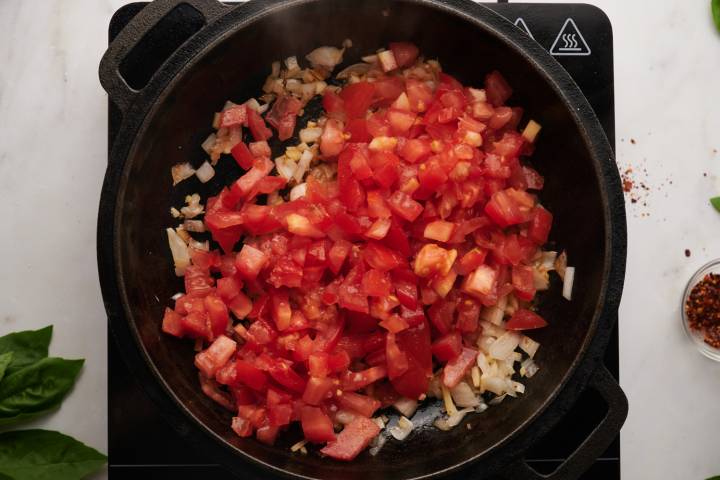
(667, 66)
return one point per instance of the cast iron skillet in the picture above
(165, 121)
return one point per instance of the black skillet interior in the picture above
(234, 70)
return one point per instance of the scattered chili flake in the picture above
(703, 309)
(632, 140)
(687, 252)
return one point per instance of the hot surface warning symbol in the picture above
(569, 41)
(520, 23)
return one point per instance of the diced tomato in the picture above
(381, 257)
(282, 372)
(257, 126)
(250, 261)
(317, 389)
(215, 356)
(228, 287)
(376, 283)
(233, 116)
(524, 319)
(447, 347)
(240, 305)
(286, 273)
(509, 207)
(351, 295)
(439, 230)
(261, 332)
(332, 140)
(405, 53)
(455, 369)
(420, 95)
(317, 426)
(415, 342)
(415, 150)
(328, 337)
(282, 313)
(217, 314)
(357, 98)
(283, 115)
(405, 207)
(523, 282)
(354, 438)
(397, 360)
(250, 375)
(333, 105)
(198, 281)
(358, 130)
(361, 404)
(353, 381)
(337, 255)
(388, 89)
(405, 283)
(468, 314)
(172, 323)
(540, 226)
(377, 207)
(242, 155)
(497, 88)
(279, 414)
(242, 427)
(397, 240)
(441, 315)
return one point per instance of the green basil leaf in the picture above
(28, 347)
(5, 360)
(36, 389)
(715, 201)
(46, 455)
(715, 6)
(716, 477)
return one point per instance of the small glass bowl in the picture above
(695, 336)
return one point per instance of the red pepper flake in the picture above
(703, 309)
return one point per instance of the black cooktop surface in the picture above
(143, 445)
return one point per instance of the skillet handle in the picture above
(112, 81)
(594, 445)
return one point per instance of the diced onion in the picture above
(325, 57)
(387, 60)
(379, 441)
(451, 421)
(518, 387)
(504, 346)
(531, 131)
(406, 406)
(447, 399)
(298, 191)
(344, 416)
(463, 395)
(478, 95)
(497, 400)
(355, 69)
(298, 445)
(303, 165)
(179, 249)
(177, 295)
(209, 143)
(310, 135)
(204, 246)
(370, 59)
(193, 207)
(285, 167)
(263, 108)
(475, 375)
(205, 172)
(181, 171)
(196, 226)
(253, 104)
(495, 385)
(541, 279)
(175, 212)
(561, 264)
(379, 422)
(528, 368)
(402, 429)
(493, 315)
(529, 346)
(568, 282)
(291, 64)
(383, 143)
(492, 329)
